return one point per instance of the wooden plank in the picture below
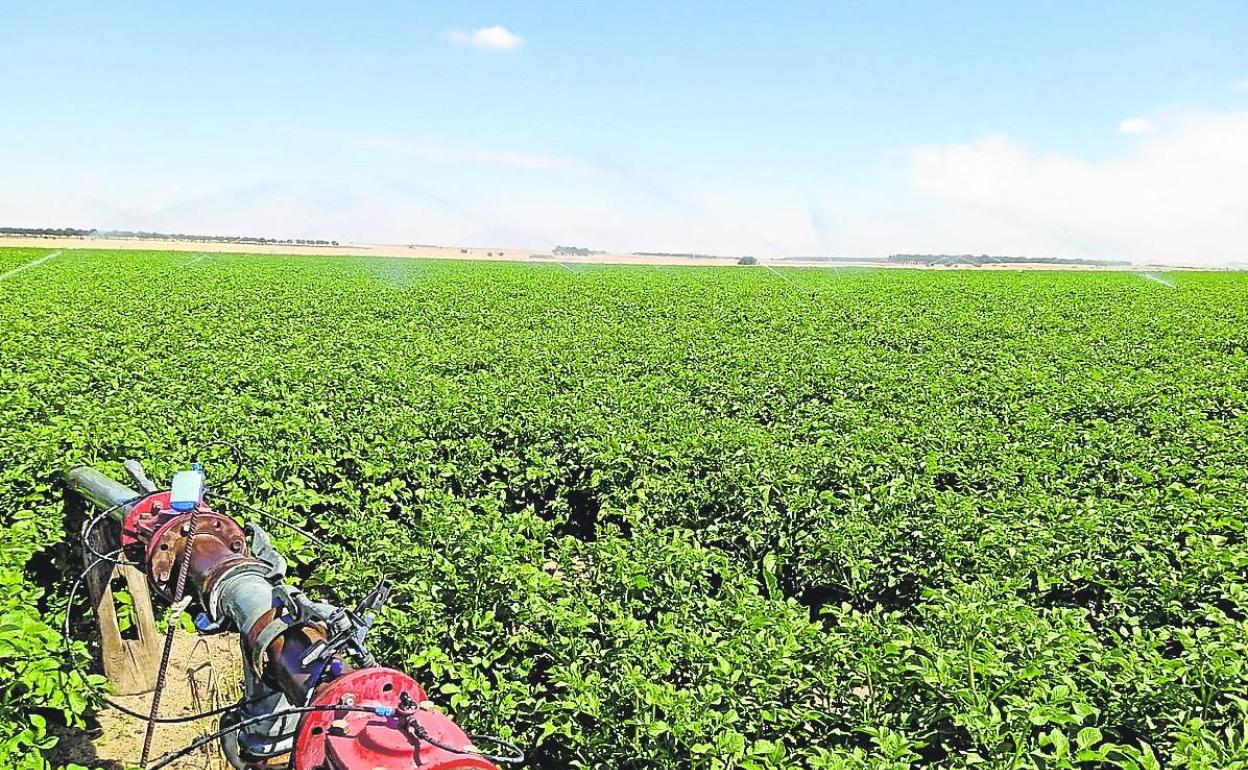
(129, 664)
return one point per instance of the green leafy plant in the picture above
(685, 517)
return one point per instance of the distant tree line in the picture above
(575, 251)
(51, 232)
(71, 232)
(985, 259)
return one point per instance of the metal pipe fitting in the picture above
(101, 491)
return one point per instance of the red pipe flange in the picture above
(156, 534)
(356, 740)
(143, 519)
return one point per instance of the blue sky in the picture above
(1063, 129)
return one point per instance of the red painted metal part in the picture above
(326, 740)
(353, 740)
(137, 527)
(155, 534)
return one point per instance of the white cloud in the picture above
(1137, 126)
(1240, 85)
(1176, 195)
(495, 38)
(1173, 195)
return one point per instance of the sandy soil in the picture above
(204, 672)
(490, 254)
(356, 250)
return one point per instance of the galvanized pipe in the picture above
(243, 598)
(101, 491)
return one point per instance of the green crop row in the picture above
(686, 517)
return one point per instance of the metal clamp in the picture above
(275, 628)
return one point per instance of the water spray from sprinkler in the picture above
(807, 294)
(1160, 278)
(29, 265)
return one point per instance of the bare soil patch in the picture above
(205, 672)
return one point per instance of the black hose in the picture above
(265, 514)
(204, 740)
(238, 458)
(516, 758)
(238, 471)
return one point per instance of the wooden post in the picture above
(129, 664)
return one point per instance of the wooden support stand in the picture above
(129, 664)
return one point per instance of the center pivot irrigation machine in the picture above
(313, 696)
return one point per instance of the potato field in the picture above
(670, 517)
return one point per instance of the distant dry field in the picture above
(485, 254)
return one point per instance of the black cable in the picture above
(515, 759)
(238, 458)
(405, 701)
(265, 514)
(204, 740)
(420, 733)
(73, 591)
(218, 711)
(90, 528)
(238, 462)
